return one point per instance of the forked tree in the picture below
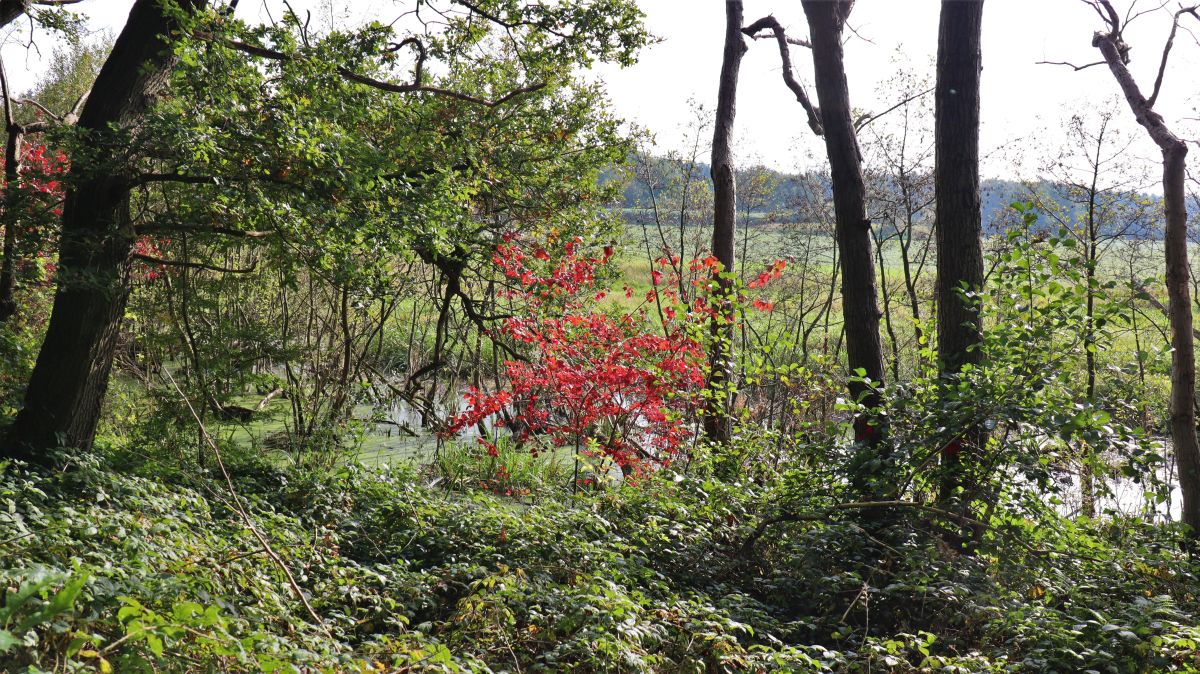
(1115, 52)
(860, 305)
(832, 118)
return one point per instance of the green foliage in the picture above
(361, 179)
(513, 471)
(111, 571)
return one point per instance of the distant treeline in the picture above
(787, 193)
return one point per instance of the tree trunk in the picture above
(958, 217)
(1087, 476)
(1183, 362)
(12, 173)
(860, 307)
(66, 389)
(717, 419)
(11, 10)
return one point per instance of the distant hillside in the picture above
(781, 204)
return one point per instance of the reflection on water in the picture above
(1132, 498)
(400, 432)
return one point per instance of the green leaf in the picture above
(7, 641)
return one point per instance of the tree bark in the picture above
(11, 10)
(860, 307)
(718, 405)
(958, 216)
(69, 380)
(12, 173)
(1183, 362)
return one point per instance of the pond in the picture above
(396, 433)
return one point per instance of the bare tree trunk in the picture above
(67, 387)
(12, 172)
(1087, 476)
(1183, 362)
(717, 419)
(956, 194)
(860, 307)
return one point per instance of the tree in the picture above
(1090, 189)
(860, 306)
(956, 194)
(720, 391)
(56, 101)
(341, 168)
(833, 119)
(1115, 52)
(62, 402)
(593, 382)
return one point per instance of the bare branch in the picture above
(866, 118)
(1130, 16)
(789, 77)
(1105, 9)
(46, 111)
(1162, 65)
(246, 519)
(193, 265)
(1156, 303)
(1070, 65)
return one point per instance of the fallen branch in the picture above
(262, 404)
(246, 519)
(826, 513)
(1157, 304)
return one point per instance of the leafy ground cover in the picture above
(109, 570)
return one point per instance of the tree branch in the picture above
(226, 231)
(1162, 64)
(826, 513)
(417, 85)
(511, 24)
(146, 178)
(866, 118)
(789, 77)
(1157, 304)
(47, 111)
(11, 10)
(1070, 65)
(193, 265)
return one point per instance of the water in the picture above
(398, 434)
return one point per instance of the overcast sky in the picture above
(1024, 103)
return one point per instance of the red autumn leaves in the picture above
(611, 383)
(38, 195)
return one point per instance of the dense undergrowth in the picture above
(108, 569)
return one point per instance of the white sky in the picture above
(1023, 103)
